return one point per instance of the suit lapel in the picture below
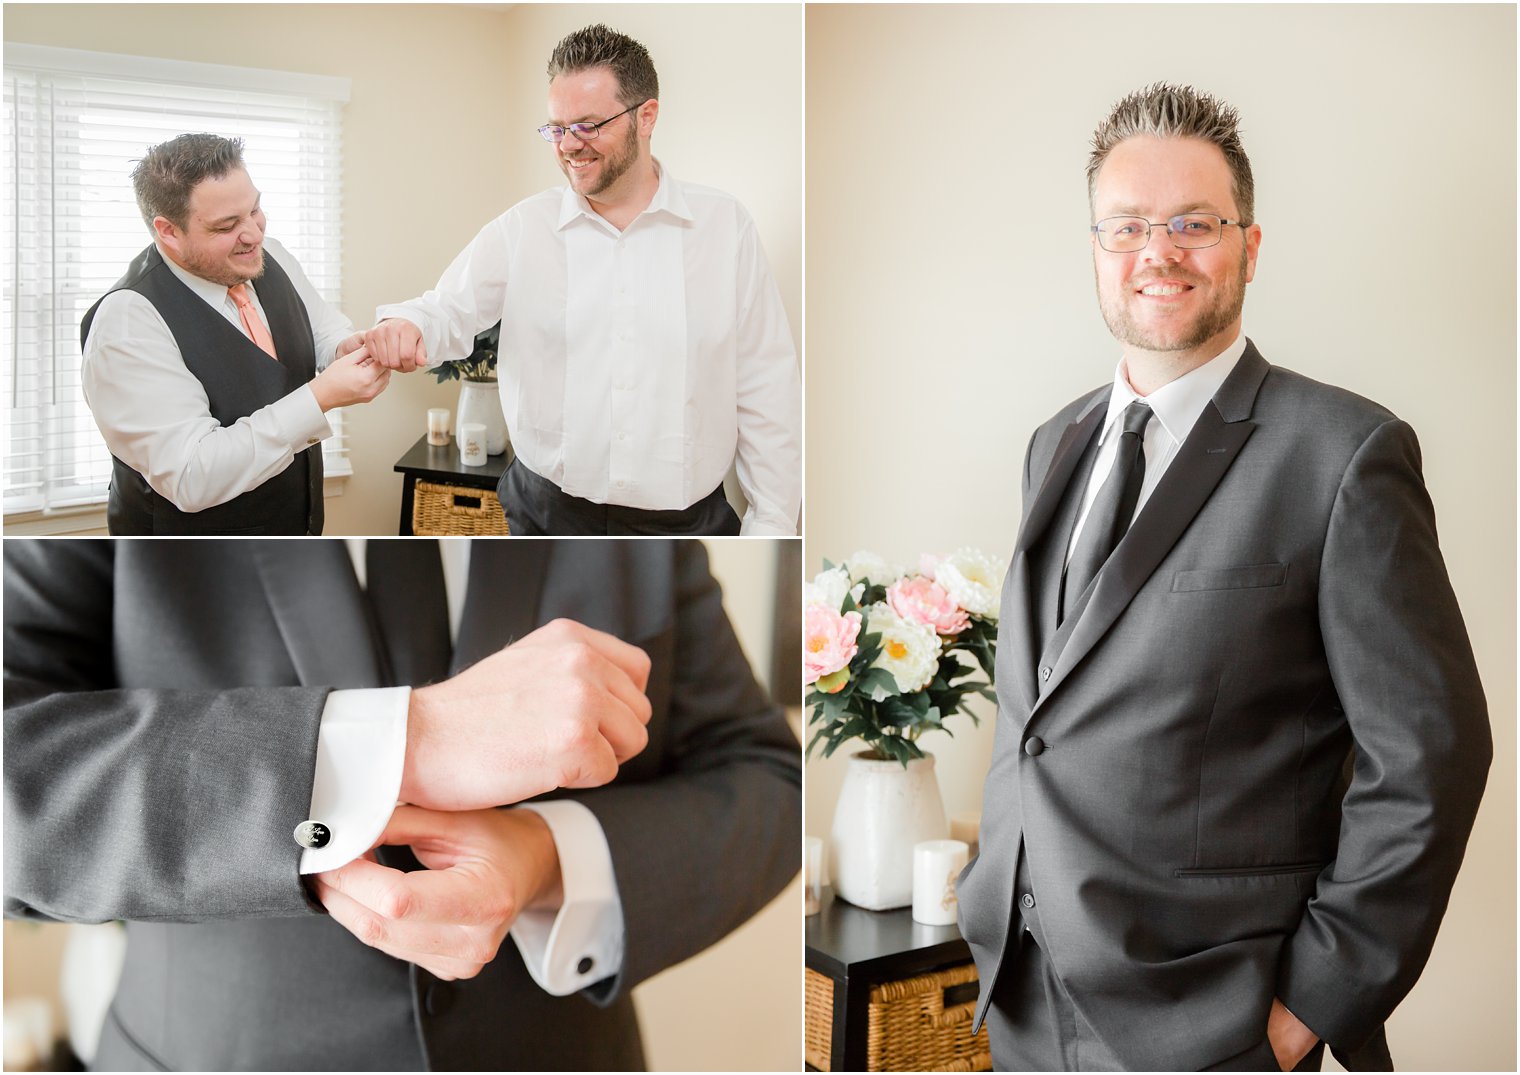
(502, 599)
(1021, 613)
(1200, 465)
(320, 611)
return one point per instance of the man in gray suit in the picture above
(1241, 738)
(167, 712)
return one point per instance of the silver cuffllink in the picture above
(312, 834)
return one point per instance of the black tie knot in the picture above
(1136, 415)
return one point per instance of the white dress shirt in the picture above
(1175, 408)
(154, 414)
(633, 365)
(361, 747)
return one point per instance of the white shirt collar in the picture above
(1176, 404)
(668, 198)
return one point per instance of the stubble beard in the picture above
(614, 167)
(218, 272)
(1219, 315)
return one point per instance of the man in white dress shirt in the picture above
(200, 364)
(644, 347)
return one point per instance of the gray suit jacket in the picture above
(161, 709)
(1276, 621)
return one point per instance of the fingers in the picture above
(424, 896)
(348, 344)
(397, 345)
(633, 661)
(445, 950)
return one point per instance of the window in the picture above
(75, 124)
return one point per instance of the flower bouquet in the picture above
(883, 648)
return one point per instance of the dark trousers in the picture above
(536, 507)
(1033, 1025)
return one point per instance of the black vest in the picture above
(239, 378)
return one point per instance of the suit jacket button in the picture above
(1034, 746)
(440, 998)
(1045, 673)
(1027, 900)
(312, 834)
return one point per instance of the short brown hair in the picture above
(164, 178)
(602, 46)
(1168, 111)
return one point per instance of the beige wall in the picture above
(951, 311)
(439, 137)
(736, 1006)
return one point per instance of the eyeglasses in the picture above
(1190, 231)
(584, 132)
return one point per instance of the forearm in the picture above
(467, 299)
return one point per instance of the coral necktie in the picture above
(252, 321)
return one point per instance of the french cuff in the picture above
(582, 943)
(361, 747)
(300, 418)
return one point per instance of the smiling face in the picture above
(223, 237)
(599, 169)
(1183, 304)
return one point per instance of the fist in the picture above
(397, 344)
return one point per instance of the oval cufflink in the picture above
(312, 834)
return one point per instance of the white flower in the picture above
(910, 651)
(866, 565)
(828, 589)
(974, 579)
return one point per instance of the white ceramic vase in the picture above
(883, 810)
(480, 401)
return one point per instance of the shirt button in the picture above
(621, 483)
(1034, 746)
(1027, 900)
(313, 834)
(585, 965)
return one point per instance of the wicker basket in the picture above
(440, 510)
(909, 1027)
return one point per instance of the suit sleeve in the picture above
(140, 804)
(699, 850)
(1407, 683)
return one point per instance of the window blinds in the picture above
(75, 125)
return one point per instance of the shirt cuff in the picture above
(582, 943)
(300, 419)
(361, 748)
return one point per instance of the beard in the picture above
(1229, 300)
(614, 165)
(216, 269)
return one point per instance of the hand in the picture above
(1291, 1040)
(484, 868)
(397, 344)
(353, 378)
(562, 707)
(349, 343)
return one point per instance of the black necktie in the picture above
(1112, 510)
(404, 578)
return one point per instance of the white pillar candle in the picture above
(472, 444)
(438, 426)
(936, 863)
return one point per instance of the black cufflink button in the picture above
(585, 965)
(1034, 746)
(313, 834)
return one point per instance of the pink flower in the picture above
(921, 600)
(828, 641)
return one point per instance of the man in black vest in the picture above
(203, 383)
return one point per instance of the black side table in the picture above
(857, 949)
(442, 465)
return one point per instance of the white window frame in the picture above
(48, 62)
